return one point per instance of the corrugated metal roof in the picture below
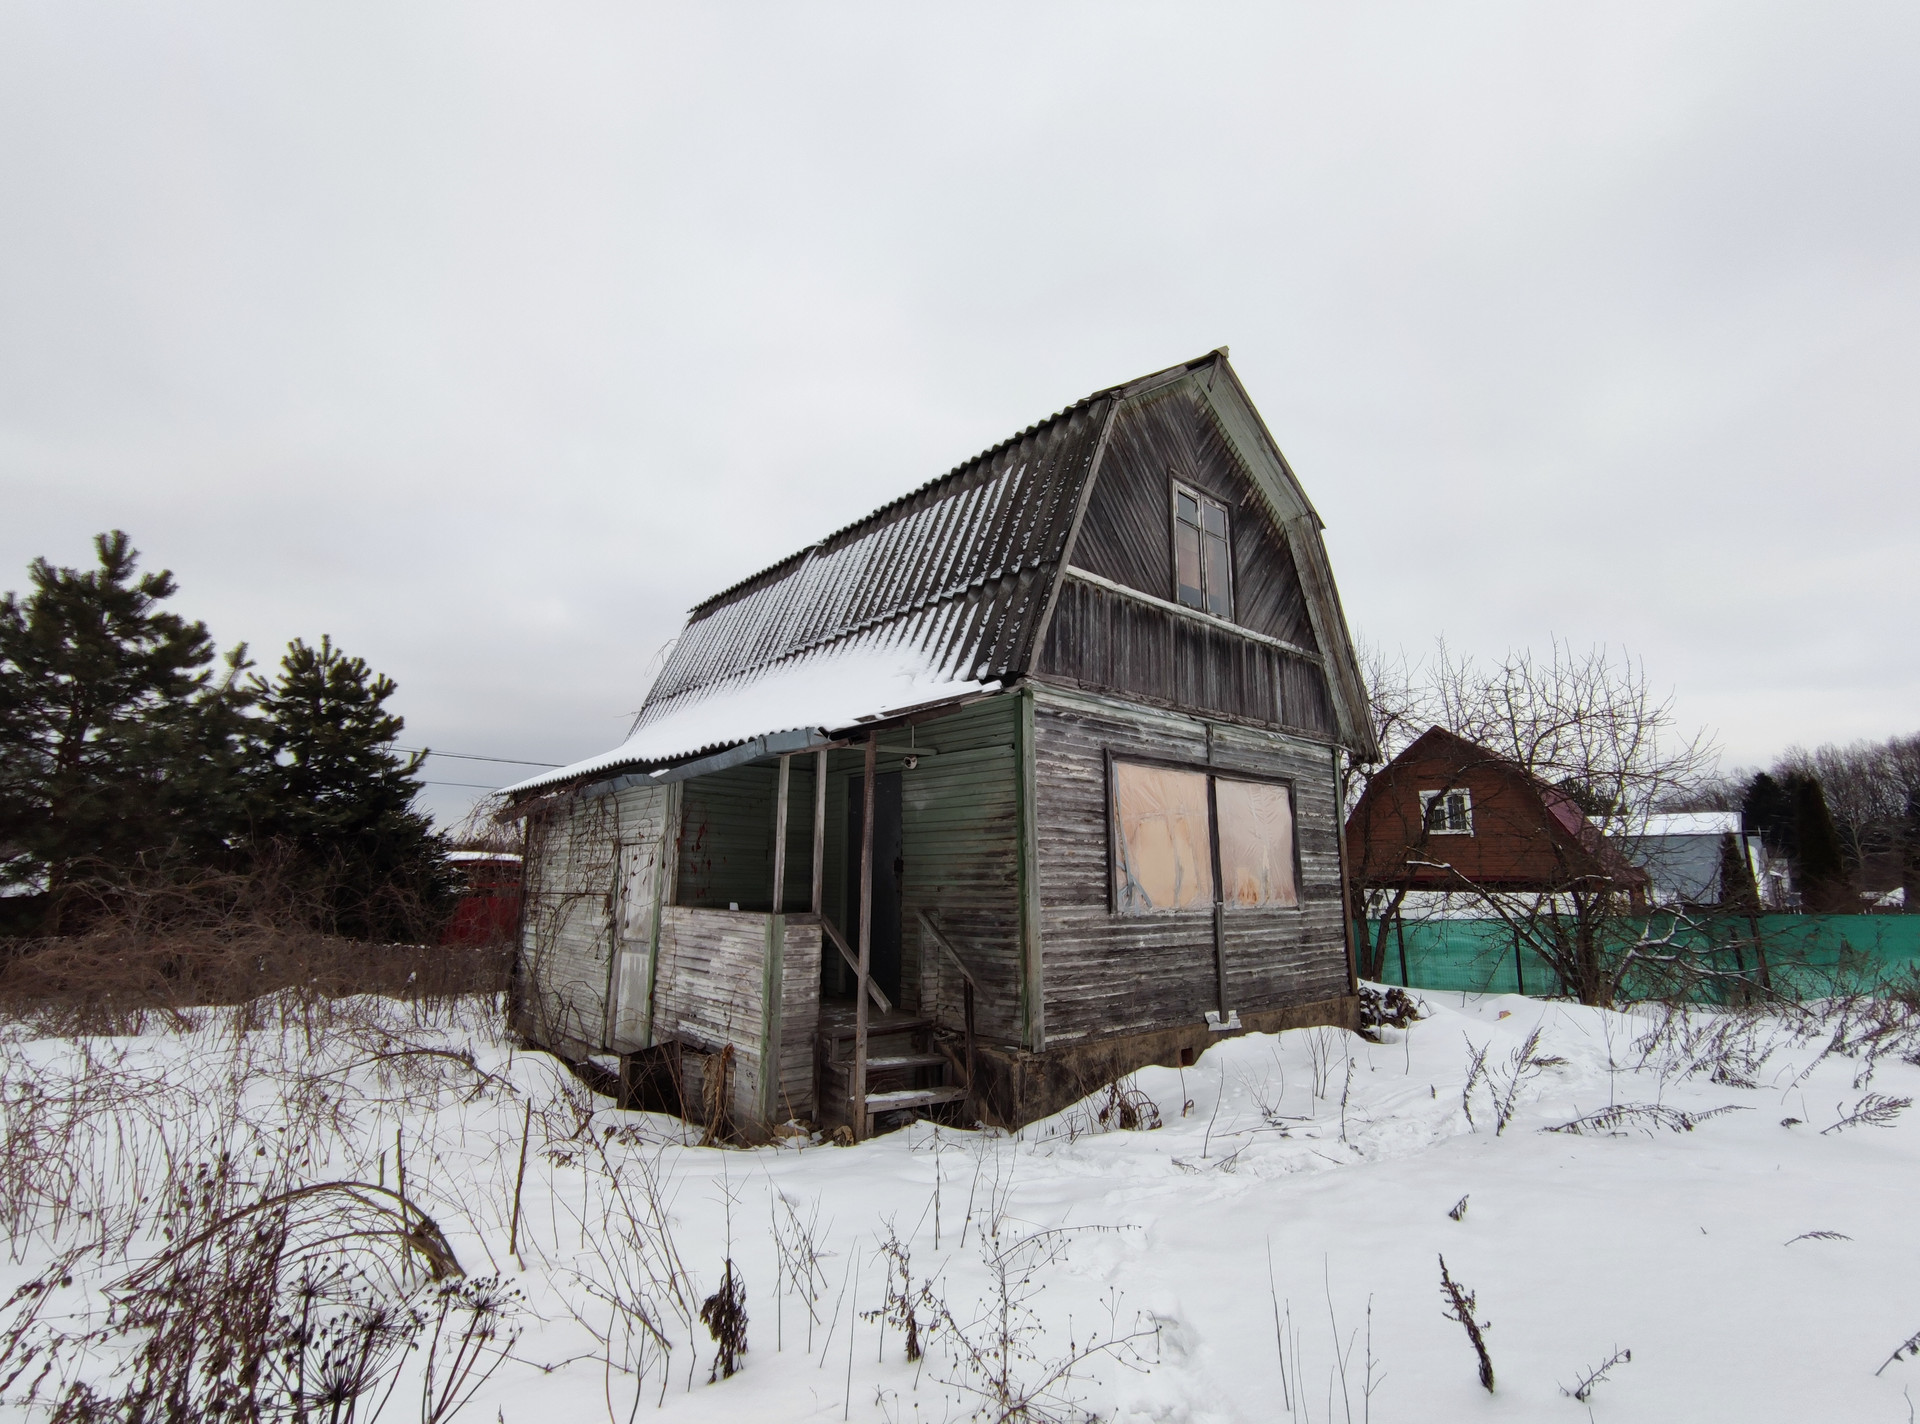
(945, 586)
(957, 572)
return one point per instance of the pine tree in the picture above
(1819, 869)
(119, 747)
(333, 791)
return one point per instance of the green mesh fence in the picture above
(1803, 953)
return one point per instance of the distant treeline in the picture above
(147, 780)
(1847, 817)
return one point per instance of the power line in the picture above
(468, 756)
(477, 785)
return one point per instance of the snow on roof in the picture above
(469, 855)
(1693, 823)
(834, 690)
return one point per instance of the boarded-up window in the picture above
(1162, 855)
(1256, 843)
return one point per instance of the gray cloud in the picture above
(487, 339)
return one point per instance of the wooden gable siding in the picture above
(1104, 641)
(1111, 974)
(1127, 532)
(959, 815)
(1149, 647)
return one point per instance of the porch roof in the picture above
(845, 687)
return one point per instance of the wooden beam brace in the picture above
(945, 944)
(874, 991)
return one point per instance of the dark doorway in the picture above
(889, 874)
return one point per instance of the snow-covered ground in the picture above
(1308, 1175)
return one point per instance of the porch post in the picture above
(780, 840)
(859, 1104)
(819, 831)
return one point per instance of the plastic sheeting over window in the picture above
(1256, 844)
(1163, 857)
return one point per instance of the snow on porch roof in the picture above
(824, 693)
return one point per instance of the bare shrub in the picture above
(797, 1247)
(998, 1355)
(1503, 1083)
(1127, 1108)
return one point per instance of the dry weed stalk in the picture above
(1645, 1116)
(1460, 1307)
(1584, 1387)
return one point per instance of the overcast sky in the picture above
(488, 340)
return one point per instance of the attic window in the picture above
(1447, 813)
(1202, 561)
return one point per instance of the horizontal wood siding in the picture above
(710, 992)
(1103, 641)
(1107, 973)
(799, 1016)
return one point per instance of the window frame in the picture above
(1427, 798)
(1212, 772)
(1176, 488)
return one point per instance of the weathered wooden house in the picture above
(1044, 754)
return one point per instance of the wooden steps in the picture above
(905, 1072)
(892, 1063)
(912, 1098)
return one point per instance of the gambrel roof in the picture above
(943, 592)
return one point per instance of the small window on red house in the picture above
(1448, 813)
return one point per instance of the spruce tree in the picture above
(119, 746)
(1820, 870)
(333, 791)
(1767, 811)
